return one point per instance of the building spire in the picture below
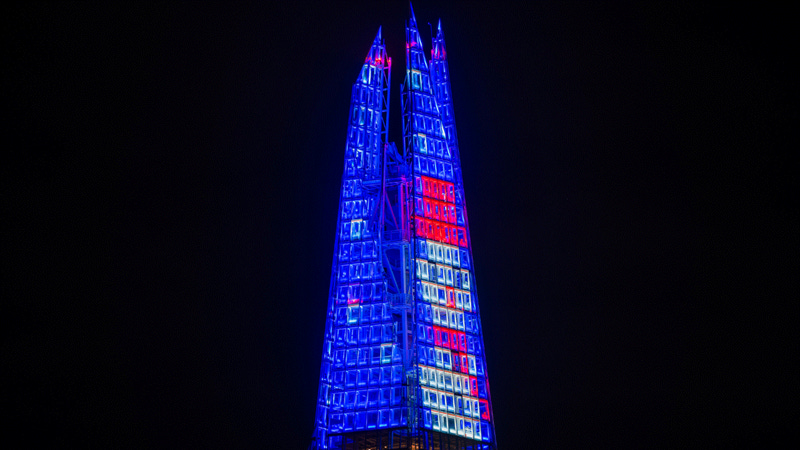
(376, 50)
(412, 33)
(438, 50)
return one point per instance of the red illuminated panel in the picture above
(462, 237)
(473, 386)
(438, 231)
(451, 297)
(420, 226)
(440, 190)
(484, 409)
(445, 339)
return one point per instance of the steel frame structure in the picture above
(403, 362)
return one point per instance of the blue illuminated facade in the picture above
(403, 364)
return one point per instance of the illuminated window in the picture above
(465, 282)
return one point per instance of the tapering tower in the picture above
(403, 364)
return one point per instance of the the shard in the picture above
(403, 362)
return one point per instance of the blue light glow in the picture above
(403, 341)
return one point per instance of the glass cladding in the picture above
(403, 347)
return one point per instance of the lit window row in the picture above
(443, 358)
(358, 251)
(416, 58)
(445, 296)
(455, 361)
(444, 317)
(363, 399)
(361, 140)
(360, 271)
(362, 314)
(443, 275)
(367, 95)
(442, 253)
(455, 404)
(432, 167)
(373, 376)
(360, 293)
(447, 317)
(361, 163)
(357, 229)
(420, 80)
(367, 356)
(458, 382)
(352, 188)
(442, 337)
(448, 423)
(438, 68)
(371, 74)
(366, 420)
(448, 381)
(433, 143)
(439, 231)
(436, 210)
(356, 209)
(449, 338)
(452, 403)
(424, 121)
(364, 116)
(436, 189)
(425, 103)
(366, 156)
(364, 335)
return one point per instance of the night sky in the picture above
(171, 187)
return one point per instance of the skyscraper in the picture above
(403, 362)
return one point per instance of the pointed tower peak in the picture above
(438, 50)
(377, 50)
(413, 38)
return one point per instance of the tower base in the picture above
(402, 439)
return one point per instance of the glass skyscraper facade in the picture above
(403, 364)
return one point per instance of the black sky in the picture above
(172, 184)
